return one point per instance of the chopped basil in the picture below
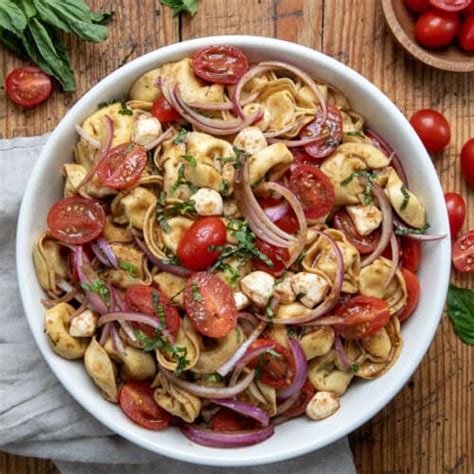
(129, 267)
(196, 293)
(182, 181)
(355, 133)
(355, 368)
(407, 231)
(178, 6)
(269, 311)
(160, 213)
(99, 287)
(239, 335)
(224, 189)
(180, 137)
(124, 110)
(190, 159)
(370, 177)
(212, 378)
(406, 197)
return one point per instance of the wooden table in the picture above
(428, 427)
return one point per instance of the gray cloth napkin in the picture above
(37, 416)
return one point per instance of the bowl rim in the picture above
(23, 255)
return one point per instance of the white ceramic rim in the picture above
(241, 456)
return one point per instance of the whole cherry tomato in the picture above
(418, 5)
(467, 161)
(162, 110)
(450, 5)
(456, 211)
(436, 28)
(432, 128)
(466, 34)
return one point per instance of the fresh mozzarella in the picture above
(365, 218)
(309, 288)
(258, 286)
(208, 202)
(146, 129)
(84, 325)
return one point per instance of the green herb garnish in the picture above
(234, 273)
(406, 197)
(182, 181)
(196, 293)
(370, 179)
(460, 303)
(224, 188)
(160, 213)
(355, 368)
(355, 133)
(124, 110)
(269, 311)
(239, 335)
(178, 6)
(406, 231)
(212, 378)
(129, 267)
(99, 287)
(180, 137)
(190, 159)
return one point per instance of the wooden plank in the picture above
(10, 464)
(136, 29)
(428, 426)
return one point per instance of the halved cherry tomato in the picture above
(276, 367)
(463, 253)
(365, 244)
(469, 10)
(193, 248)
(162, 110)
(298, 408)
(466, 34)
(332, 126)
(279, 257)
(410, 253)
(364, 316)
(432, 128)
(220, 64)
(456, 211)
(76, 220)
(314, 189)
(467, 161)
(122, 166)
(288, 222)
(210, 305)
(413, 294)
(146, 299)
(418, 5)
(228, 420)
(300, 157)
(450, 5)
(137, 402)
(436, 28)
(28, 86)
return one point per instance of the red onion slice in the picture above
(325, 321)
(282, 407)
(174, 269)
(276, 212)
(395, 259)
(230, 364)
(244, 409)
(301, 373)
(226, 439)
(129, 316)
(339, 348)
(117, 341)
(119, 305)
(105, 333)
(387, 225)
(410, 233)
(210, 392)
(222, 105)
(157, 141)
(103, 251)
(329, 302)
(87, 137)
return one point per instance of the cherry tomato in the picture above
(365, 244)
(148, 300)
(418, 5)
(122, 166)
(469, 10)
(288, 222)
(467, 161)
(332, 126)
(220, 64)
(432, 128)
(210, 305)
(162, 110)
(413, 294)
(410, 253)
(76, 220)
(28, 86)
(137, 402)
(466, 34)
(300, 157)
(276, 367)
(228, 420)
(456, 211)
(364, 316)
(450, 5)
(193, 248)
(314, 189)
(278, 256)
(436, 28)
(463, 253)
(298, 408)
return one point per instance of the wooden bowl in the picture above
(401, 22)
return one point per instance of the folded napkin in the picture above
(37, 416)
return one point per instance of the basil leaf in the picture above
(28, 8)
(12, 17)
(460, 304)
(189, 6)
(13, 43)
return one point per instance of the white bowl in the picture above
(363, 399)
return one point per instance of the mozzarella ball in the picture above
(365, 218)
(84, 325)
(258, 286)
(309, 288)
(208, 202)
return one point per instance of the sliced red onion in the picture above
(244, 409)
(103, 251)
(329, 302)
(301, 373)
(387, 225)
(279, 131)
(117, 342)
(87, 276)
(325, 321)
(410, 232)
(160, 139)
(258, 221)
(119, 305)
(395, 259)
(276, 212)
(230, 364)
(105, 333)
(300, 142)
(289, 402)
(129, 316)
(339, 348)
(222, 105)
(210, 392)
(87, 137)
(226, 439)
(174, 269)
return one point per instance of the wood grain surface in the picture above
(428, 427)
